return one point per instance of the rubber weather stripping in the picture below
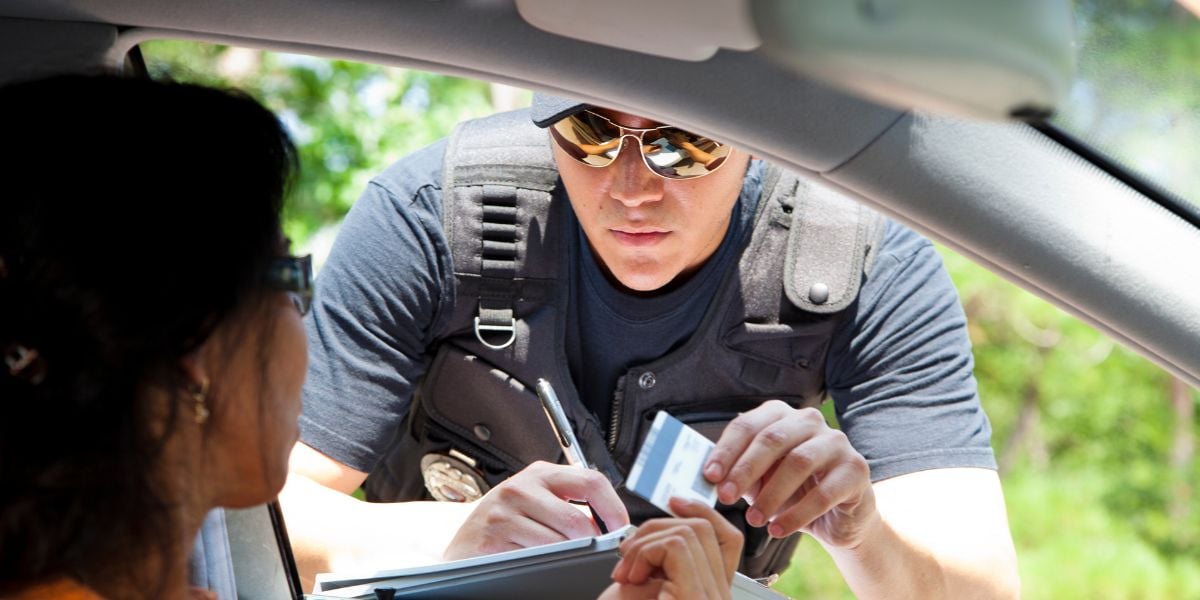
(1168, 200)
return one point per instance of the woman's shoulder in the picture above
(60, 589)
(69, 589)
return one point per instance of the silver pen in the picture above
(566, 437)
(560, 425)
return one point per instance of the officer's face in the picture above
(648, 231)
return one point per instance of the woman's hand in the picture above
(690, 557)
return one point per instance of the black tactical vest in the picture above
(475, 418)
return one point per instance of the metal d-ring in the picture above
(511, 328)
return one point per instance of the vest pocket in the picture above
(799, 345)
(710, 417)
(472, 404)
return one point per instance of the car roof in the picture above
(1002, 193)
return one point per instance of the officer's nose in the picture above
(632, 182)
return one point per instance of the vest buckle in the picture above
(511, 328)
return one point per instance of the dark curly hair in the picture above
(135, 217)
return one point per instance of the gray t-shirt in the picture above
(899, 369)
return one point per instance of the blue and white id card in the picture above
(671, 463)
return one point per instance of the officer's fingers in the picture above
(847, 482)
(496, 526)
(769, 445)
(749, 495)
(818, 454)
(572, 521)
(737, 436)
(526, 498)
(521, 532)
(729, 538)
(588, 486)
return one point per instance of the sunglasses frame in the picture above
(294, 275)
(636, 133)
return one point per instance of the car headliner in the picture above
(1003, 194)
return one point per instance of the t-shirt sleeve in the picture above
(900, 369)
(378, 302)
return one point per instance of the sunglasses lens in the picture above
(588, 138)
(668, 151)
(678, 154)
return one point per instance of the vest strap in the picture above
(497, 177)
(830, 247)
(495, 325)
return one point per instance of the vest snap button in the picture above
(818, 293)
(647, 380)
(482, 432)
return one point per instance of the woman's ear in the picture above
(195, 367)
(195, 370)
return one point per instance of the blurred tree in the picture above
(1098, 405)
(349, 120)
(1135, 96)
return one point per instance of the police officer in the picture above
(639, 267)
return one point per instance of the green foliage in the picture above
(349, 120)
(1136, 97)
(1101, 408)
(1070, 546)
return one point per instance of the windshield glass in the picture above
(1136, 96)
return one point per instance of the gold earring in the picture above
(198, 394)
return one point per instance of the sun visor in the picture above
(679, 29)
(976, 58)
(30, 49)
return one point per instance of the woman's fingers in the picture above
(729, 539)
(695, 554)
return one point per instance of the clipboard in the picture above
(564, 570)
(560, 570)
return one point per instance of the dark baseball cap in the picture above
(545, 110)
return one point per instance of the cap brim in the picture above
(545, 110)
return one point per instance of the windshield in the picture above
(1136, 96)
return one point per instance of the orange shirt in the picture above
(63, 589)
(69, 589)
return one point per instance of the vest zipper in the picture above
(614, 419)
(613, 423)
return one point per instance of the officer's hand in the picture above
(532, 508)
(693, 556)
(797, 473)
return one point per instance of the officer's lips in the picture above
(639, 236)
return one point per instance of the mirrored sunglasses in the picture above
(667, 151)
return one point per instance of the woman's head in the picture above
(139, 222)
